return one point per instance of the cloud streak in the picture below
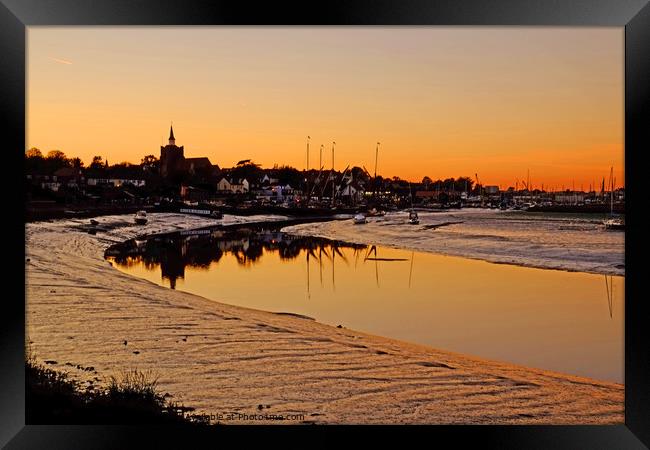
(60, 61)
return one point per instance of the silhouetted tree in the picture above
(150, 163)
(97, 163)
(34, 161)
(33, 153)
(288, 175)
(56, 160)
(359, 174)
(249, 170)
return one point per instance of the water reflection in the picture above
(174, 253)
(538, 318)
(609, 287)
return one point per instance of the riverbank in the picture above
(258, 365)
(559, 241)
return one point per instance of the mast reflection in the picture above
(173, 253)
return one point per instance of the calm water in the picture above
(569, 322)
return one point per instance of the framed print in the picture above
(267, 218)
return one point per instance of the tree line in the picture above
(54, 160)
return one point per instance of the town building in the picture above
(233, 186)
(275, 193)
(569, 198)
(174, 162)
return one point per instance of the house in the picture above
(276, 193)
(69, 176)
(66, 176)
(266, 179)
(233, 186)
(192, 193)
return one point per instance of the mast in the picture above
(308, 138)
(611, 192)
(320, 158)
(333, 144)
(376, 156)
(307, 172)
(308, 293)
(375, 177)
(320, 170)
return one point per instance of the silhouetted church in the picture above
(173, 161)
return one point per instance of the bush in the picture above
(52, 397)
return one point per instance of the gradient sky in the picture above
(443, 101)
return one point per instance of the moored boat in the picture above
(413, 218)
(141, 217)
(359, 219)
(614, 223)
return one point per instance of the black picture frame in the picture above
(634, 15)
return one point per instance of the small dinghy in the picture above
(360, 219)
(141, 217)
(413, 218)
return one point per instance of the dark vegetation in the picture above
(52, 397)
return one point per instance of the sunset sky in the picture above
(443, 101)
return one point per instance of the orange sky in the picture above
(443, 101)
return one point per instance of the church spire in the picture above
(172, 140)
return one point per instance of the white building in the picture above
(278, 193)
(268, 180)
(233, 186)
(570, 198)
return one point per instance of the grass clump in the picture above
(52, 397)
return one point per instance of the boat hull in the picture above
(613, 224)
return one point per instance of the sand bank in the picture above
(225, 359)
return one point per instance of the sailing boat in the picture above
(613, 223)
(413, 216)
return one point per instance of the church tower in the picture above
(172, 140)
(171, 156)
